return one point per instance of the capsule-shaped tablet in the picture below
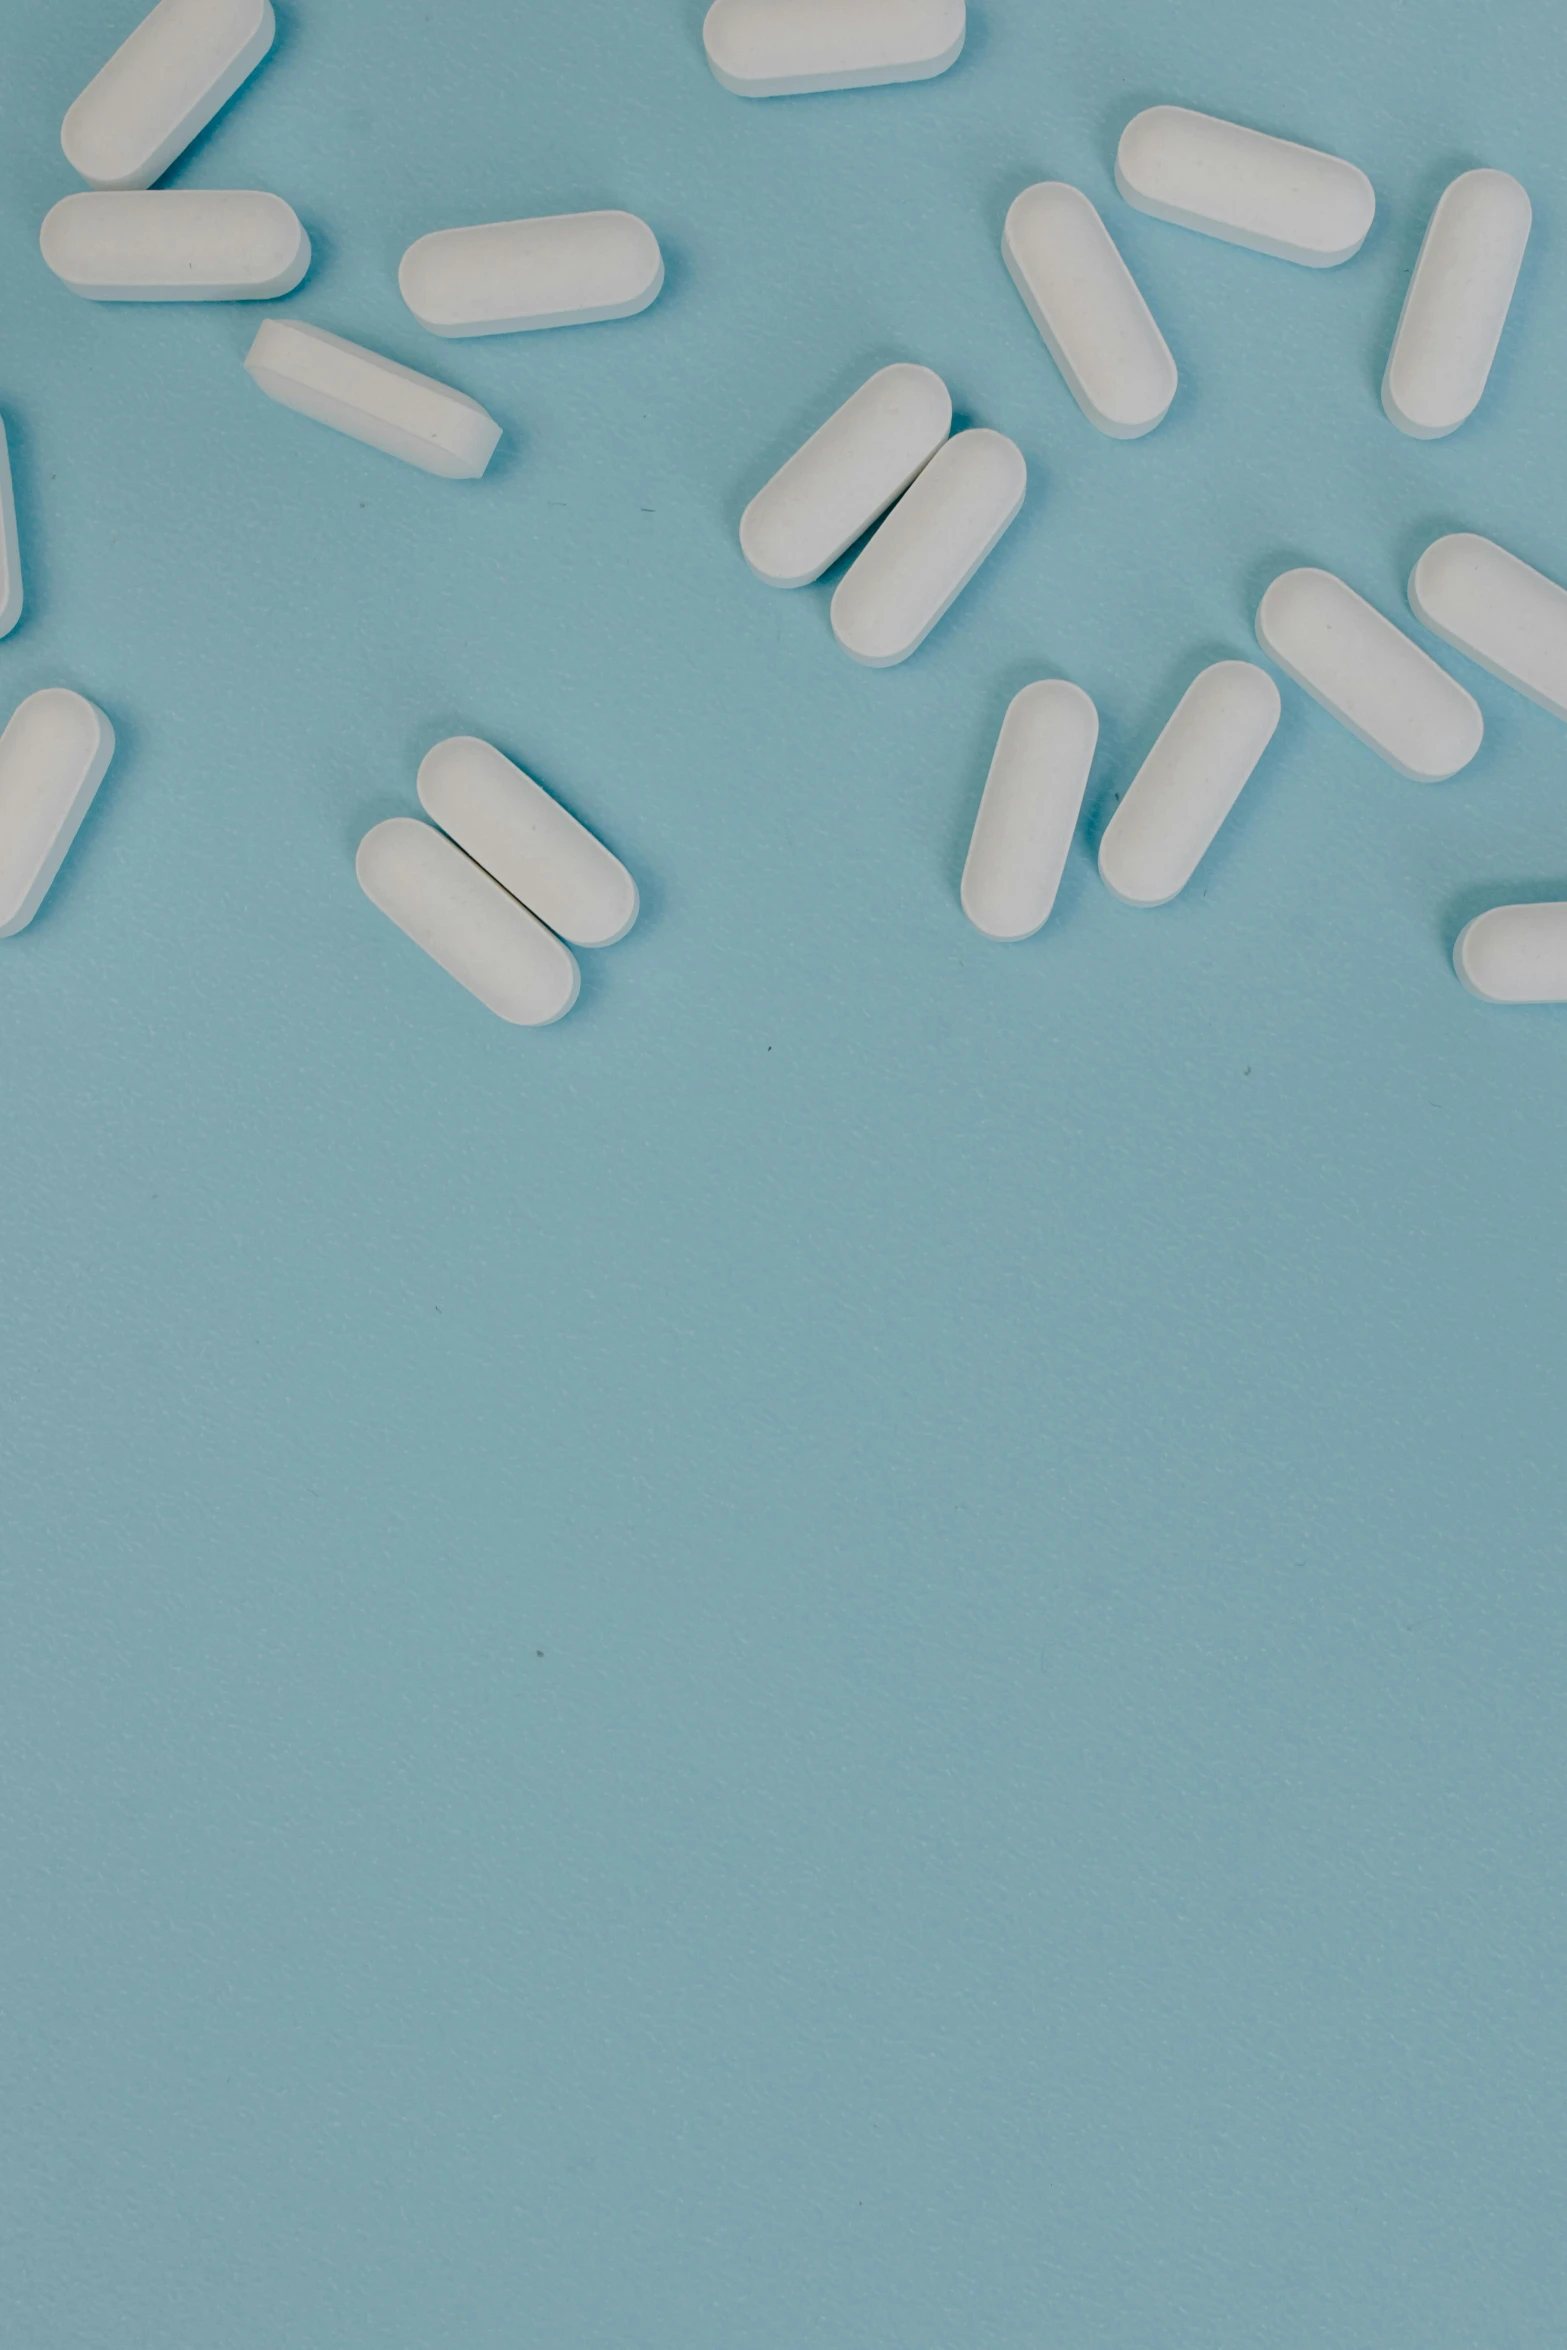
(1032, 799)
(10, 547)
(467, 923)
(531, 845)
(779, 48)
(1369, 675)
(1085, 302)
(176, 245)
(1515, 955)
(373, 399)
(181, 64)
(53, 756)
(1188, 783)
(513, 275)
(929, 547)
(1509, 618)
(846, 475)
(1457, 304)
(1270, 194)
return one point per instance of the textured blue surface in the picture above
(868, 1649)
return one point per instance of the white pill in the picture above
(778, 48)
(1188, 783)
(532, 845)
(53, 756)
(373, 399)
(929, 547)
(1509, 618)
(1457, 304)
(1515, 955)
(1293, 202)
(513, 275)
(10, 546)
(1032, 799)
(176, 245)
(1369, 675)
(846, 475)
(160, 88)
(1084, 301)
(467, 922)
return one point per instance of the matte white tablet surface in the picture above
(467, 922)
(929, 547)
(1509, 618)
(531, 845)
(1084, 301)
(10, 547)
(1457, 304)
(176, 245)
(1188, 783)
(1241, 185)
(1033, 795)
(779, 48)
(162, 86)
(1515, 955)
(845, 476)
(568, 270)
(373, 399)
(53, 756)
(1373, 678)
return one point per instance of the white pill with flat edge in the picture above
(1245, 186)
(846, 475)
(531, 845)
(53, 756)
(785, 48)
(1189, 782)
(1032, 799)
(1086, 304)
(929, 547)
(512, 276)
(162, 86)
(1515, 955)
(1457, 304)
(372, 399)
(10, 546)
(467, 923)
(176, 245)
(1503, 614)
(1369, 676)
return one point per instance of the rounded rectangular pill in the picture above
(846, 475)
(1084, 300)
(1457, 304)
(1028, 814)
(10, 546)
(373, 399)
(53, 756)
(176, 245)
(572, 269)
(929, 547)
(182, 63)
(1515, 955)
(781, 48)
(467, 923)
(1244, 186)
(527, 841)
(1369, 675)
(1188, 783)
(1509, 618)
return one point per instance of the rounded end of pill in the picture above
(1413, 425)
(1461, 963)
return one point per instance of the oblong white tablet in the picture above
(929, 547)
(53, 756)
(1032, 799)
(183, 61)
(10, 546)
(779, 48)
(1293, 202)
(1457, 304)
(1515, 955)
(467, 922)
(1085, 302)
(531, 845)
(373, 399)
(1188, 783)
(568, 270)
(176, 245)
(846, 475)
(1369, 675)
(1509, 618)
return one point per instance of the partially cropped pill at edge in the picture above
(1515, 954)
(572, 269)
(1028, 814)
(162, 86)
(10, 546)
(1086, 304)
(1509, 618)
(929, 547)
(466, 922)
(53, 756)
(1189, 782)
(1245, 186)
(784, 48)
(176, 245)
(1369, 676)
(373, 399)
(846, 475)
(1457, 304)
(531, 845)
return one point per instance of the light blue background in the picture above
(866, 1650)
